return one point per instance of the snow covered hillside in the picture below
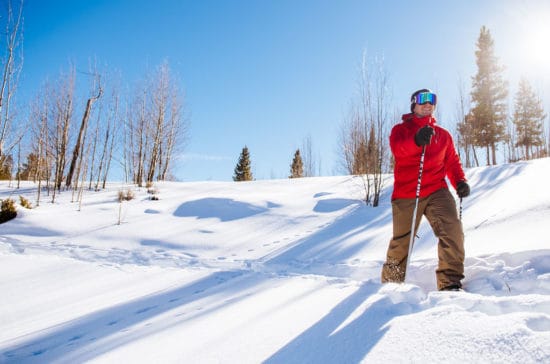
(283, 271)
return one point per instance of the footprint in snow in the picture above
(38, 352)
(539, 323)
(145, 309)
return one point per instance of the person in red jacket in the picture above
(418, 131)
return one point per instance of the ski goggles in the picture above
(425, 97)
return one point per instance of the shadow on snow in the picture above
(329, 341)
(87, 337)
(225, 209)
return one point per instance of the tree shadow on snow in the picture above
(84, 338)
(225, 209)
(334, 340)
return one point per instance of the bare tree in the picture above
(111, 128)
(93, 148)
(110, 132)
(363, 140)
(157, 126)
(82, 131)
(40, 110)
(60, 123)
(310, 164)
(11, 67)
(351, 135)
(176, 132)
(138, 136)
(170, 126)
(465, 142)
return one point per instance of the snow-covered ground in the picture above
(283, 271)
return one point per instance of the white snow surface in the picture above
(279, 271)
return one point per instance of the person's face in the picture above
(424, 110)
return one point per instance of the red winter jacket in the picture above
(440, 160)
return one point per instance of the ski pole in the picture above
(411, 241)
(461, 209)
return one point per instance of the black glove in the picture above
(424, 135)
(462, 189)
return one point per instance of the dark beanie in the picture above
(414, 95)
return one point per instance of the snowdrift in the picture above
(282, 271)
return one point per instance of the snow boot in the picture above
(452, 287)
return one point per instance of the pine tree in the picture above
(528, 118)
(489, 98)
(297, 166)
(6, 165)
(242, 170)
(360, 158)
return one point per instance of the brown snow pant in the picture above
(440, 210)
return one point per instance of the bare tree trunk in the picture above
(81, 133)
(93, 153)
(463, 125)
(39, 162)
(81, 189)
(109, 159)
(110, 134)
(128, 141)
(308, 159)
(102, 157)
(18, 174)
(154, 157)
(176, 131)
(141, 137)
(62, 117)
(10, 72)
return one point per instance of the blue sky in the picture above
(270, 73)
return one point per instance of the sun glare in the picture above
(536, 41)
(539, 43)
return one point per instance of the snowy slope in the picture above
(283, 271)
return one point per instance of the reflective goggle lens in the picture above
(425, 97)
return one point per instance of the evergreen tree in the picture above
(6, 165)
(30, 170)
(528, 119)
(360, 158)
(297, 166)
(373, 150)
(489, 98)
(242, 170)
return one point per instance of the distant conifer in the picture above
(528, 119)
(242, 170)
(489, 97)
(297, 166)
(6, 165)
